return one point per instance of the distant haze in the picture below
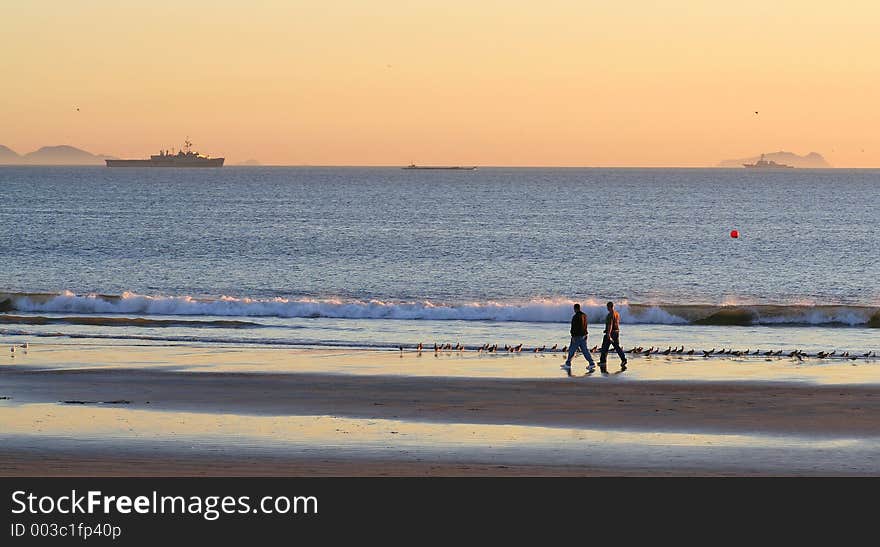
(51, 155)
(813, 160)
(393, 82)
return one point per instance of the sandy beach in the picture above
(155, 411)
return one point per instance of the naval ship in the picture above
(414, 166)
(767, 164)
(183, 158)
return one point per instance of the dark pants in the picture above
(613, 338)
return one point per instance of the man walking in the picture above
(579, 339)
(612, 336)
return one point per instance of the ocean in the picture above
(382, 257)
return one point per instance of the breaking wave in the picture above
(538, 311)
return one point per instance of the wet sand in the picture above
(596, 402)
(184, 420)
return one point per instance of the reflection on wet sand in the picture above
(446, 364)
(188, 410)
(120, 434)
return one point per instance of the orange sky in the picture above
(495, 82)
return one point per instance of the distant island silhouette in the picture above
(812, 160)
(51, 155)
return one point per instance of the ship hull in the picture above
(441, 167)
(209, 162)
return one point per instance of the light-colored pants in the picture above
(579, 342)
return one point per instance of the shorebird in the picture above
(564, 349)
(519, 348)
(554, 347)
(768, 353)
(594, 349)
(668, 350)
(798, 355)
(706, 353)
(778, 353)
(691, 352)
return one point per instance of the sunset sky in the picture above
(390, 82)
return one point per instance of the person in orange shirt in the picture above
(612, 336)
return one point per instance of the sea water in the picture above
(378, 257)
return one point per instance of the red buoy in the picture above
(734, 234)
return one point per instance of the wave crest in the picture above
(537, 311)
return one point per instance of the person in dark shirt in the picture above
(612, 336)
(579, 339)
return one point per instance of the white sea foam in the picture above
(535, 310)
(539, 311)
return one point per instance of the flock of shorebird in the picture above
(493, 348)
(639, 350)
(23, 347)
